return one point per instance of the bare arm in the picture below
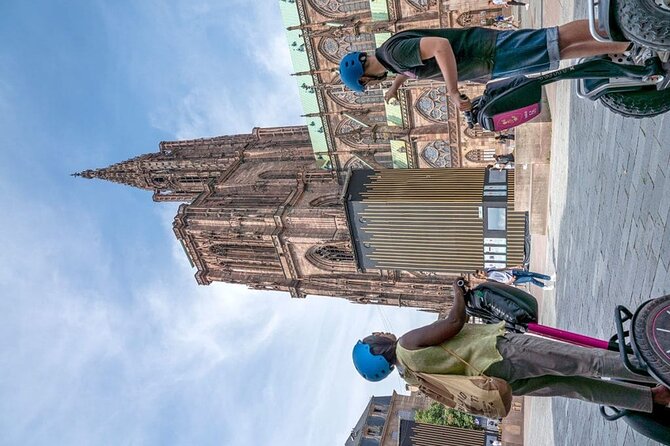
(393, 90)
(439, 331)
(440, 49)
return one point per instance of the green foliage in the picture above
(439, 414)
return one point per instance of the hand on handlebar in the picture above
(391, 96)
(461, 101)
(460, 283)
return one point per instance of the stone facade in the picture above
(379, 424)
(259, 212)
(357, 128)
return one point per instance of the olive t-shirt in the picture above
(469, 353)
(474, 49)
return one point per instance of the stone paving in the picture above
(607, 238)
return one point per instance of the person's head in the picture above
(358, 69)
(374, 357)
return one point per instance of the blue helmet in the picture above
(371, 367)
(351, 70)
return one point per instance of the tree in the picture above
(438, 414)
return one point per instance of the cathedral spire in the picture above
(180, 171)
(132, 172)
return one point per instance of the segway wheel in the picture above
(651, 336)
(643, 103)
(646, 22)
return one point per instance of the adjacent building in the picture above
(389, 421)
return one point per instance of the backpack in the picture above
(509, 102)
(494, 302)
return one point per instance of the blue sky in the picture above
(105, 338)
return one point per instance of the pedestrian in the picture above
(529, 365)
(505, 137)
(519, 276)
(473, 54)
(503, 162)
(508, 3)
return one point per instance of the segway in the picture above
(636, 84)
(647, 340)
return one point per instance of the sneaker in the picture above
(527, 6)
(553, 277)
(547, 288)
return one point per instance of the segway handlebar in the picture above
(469, 115)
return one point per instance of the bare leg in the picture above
(574, 41)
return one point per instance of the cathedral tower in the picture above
(259, 212)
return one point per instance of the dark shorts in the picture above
(526, 51)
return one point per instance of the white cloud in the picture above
(116, 363)
(229, 67)
(104, 341)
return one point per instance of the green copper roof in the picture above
(381, 38)
(393, 113)
(379, 10)
(306, 87)
(399, 154)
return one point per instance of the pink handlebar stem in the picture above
(567, 336)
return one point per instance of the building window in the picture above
(373, 431)
(419, 4)
(336, 48)
(327, 201)
(355, 135)
(433, 105)
(496, 219)
(479, 17)
(277, 175)
(338, 8)
(478, 132)
(377, 409)
(355, 163)
(353, 99)
(384, 158)
(481, 155)
(497, 176)
(219, 250)
(331, 257)
(439, 154)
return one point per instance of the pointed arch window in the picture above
(331, 257)
(339, 8)
(275, 175)
(355, 163)
(440, 154)
(353, 99)
(481, 155)
(219, 250)
(433, 105)
(384, 158)
(479, 17)
(478, 132)
(335, 48)
(355, 135)
(419, 4)
(326, 201)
